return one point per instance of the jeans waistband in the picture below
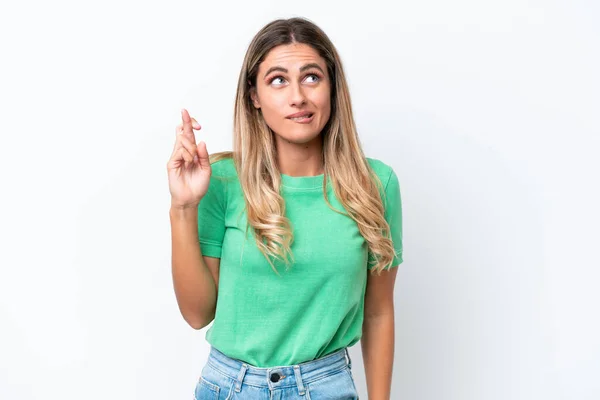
(279, 376)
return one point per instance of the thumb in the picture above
(202, 153)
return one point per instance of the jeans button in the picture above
(275, 377)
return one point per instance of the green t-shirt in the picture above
(309, 310)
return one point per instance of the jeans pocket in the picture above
(337, 385)
(206, 390)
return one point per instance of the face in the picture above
(293, 79)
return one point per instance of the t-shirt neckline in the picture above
(302, 182)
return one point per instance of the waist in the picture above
(279, 376)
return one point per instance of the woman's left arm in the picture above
(377, 342)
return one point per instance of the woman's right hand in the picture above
(188, 168)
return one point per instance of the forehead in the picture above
(291, 56)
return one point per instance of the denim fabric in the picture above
(329, 377)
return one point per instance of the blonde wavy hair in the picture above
(254, 153)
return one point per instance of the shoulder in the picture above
(222, 166)
(383, 170)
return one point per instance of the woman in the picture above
(289, 242)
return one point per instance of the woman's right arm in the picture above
(195, 278)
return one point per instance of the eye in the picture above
(315, 76)
(274, 79)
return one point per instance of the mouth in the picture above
(303, 119)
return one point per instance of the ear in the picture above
(254, 97)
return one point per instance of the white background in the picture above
(487, 110)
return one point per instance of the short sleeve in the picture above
(211, 217)
(392, 203)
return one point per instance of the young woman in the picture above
(289, 242)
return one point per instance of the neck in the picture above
(300, 159)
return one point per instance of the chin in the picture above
(300, 137)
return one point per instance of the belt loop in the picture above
(240, 377)
(348, 355)
(299, 380)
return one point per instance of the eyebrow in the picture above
(303, 68)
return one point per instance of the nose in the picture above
(297, 96)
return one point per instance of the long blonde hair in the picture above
(254, 153)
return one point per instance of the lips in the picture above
(306, 119)
(305, 114)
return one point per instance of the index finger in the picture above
(187, 125)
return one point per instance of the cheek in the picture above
(323, 101)
(273, 113)
(322, 96)
(273, 103)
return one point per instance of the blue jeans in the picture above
(329, 377)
